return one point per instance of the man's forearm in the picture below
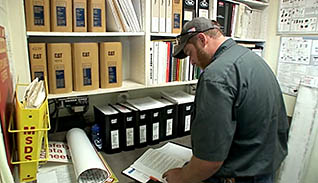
(198, 170)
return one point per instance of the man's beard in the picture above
(203, 57)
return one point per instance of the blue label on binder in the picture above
(38, 15)
(97, 17)
(61, 15)
(60, 79)
(176, 20)
(39, 74)
(112, 75)
(87, 76)
(80, 17)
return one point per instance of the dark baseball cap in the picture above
(190, 29)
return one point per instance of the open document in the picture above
(155, 162)
(87, 164)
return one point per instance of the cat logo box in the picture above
(59, 67)
(37, 14)
(38, 63)
(85, 66)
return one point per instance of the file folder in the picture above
(111, 125)
(129, 126)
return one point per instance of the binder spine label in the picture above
(61, 15)
(80, 17)
(188, 108)
(169, 111)
(87, 76)
(38, 15)
(60, 79)
(114, 135)
(176, 19)
(187, 123)
(142, 134)
(39, 74)
(155, 114)
(169, 127)
(112, 74)
(113, 121)
(130, 136)
(97, 17)
(143, 116)
(155, 131)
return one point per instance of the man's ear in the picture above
(202, 39)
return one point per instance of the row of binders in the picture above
(239, 20)
(83, 15)
(168, 16)
(143, 121)
(164, 68)
(77, 66)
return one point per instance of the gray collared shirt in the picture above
(240, 116)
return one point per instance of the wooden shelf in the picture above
(84, 34)
(127, 86)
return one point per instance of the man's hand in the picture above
(173, 175)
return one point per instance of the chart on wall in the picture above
(297, 62)
(298, 17)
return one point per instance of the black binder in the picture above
(188, 10)
(185, 104)
(111, 127)
(141, 125)
(152, 110)
(224, 16)
(203, 8)
(129, 127)
(169, 125)
(185, 113)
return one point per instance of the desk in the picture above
(120, 161)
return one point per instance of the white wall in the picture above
(17, 40)
(272, 48)
(271, 56)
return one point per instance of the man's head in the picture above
(199, 39)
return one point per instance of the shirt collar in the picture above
(224, 46)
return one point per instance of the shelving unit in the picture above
(136, 46)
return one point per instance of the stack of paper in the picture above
(178, 97)
(34, 94)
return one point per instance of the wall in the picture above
(272, 49)
(271, 56)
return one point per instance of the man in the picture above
(239, 132)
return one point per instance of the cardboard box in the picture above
(37, 15)
(85, 66)
(96, 16)
(61, 15)
(79, 15)
(110, 64)
(38, 63)
(59, 67)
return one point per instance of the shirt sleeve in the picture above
(213, 129)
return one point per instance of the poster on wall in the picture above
(297, 62)
(298, 17)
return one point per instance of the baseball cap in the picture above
(190, 29)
